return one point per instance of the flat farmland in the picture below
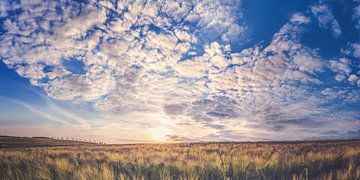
(57, 159)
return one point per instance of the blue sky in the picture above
(169, 71)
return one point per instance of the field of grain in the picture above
(263, 160)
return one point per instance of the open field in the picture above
(264, 160)
(25, 142)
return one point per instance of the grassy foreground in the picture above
(275, 160)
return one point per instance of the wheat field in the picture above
(263, 160)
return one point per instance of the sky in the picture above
(180, 71)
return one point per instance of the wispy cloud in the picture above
(39, 112)
(54, 113)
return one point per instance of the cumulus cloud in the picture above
(356, 50)
(345, 69)
(3, 8)
(326, 18)
(299, 18)
(341, 67)
(173, 60)
(356, 16)
(342, 95)
(110, 46)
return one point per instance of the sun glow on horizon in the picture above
(160, 134)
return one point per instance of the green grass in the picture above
(273, 160)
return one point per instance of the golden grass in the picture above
(307, 160)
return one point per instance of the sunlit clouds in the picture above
(169, 71)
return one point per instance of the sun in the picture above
(160, 134)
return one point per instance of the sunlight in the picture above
(160, 134)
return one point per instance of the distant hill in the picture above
(26, 142)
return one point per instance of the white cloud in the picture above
(172, 60)
(356, 50)
(353, 78)
(299, 18)
(356, 16)
(326, 18)
(341, 67)
(4, 5)
(77, 26)
(108, 52)
(343, 95)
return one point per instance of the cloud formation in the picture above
(176, 59)
(356, 15)
(326, 18)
